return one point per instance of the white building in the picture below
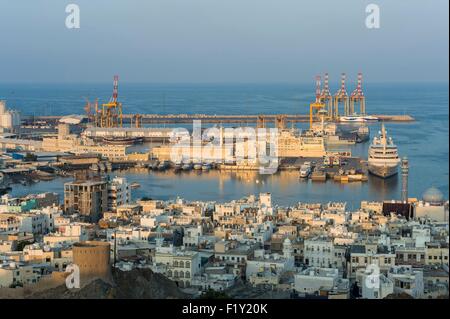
(374, 286)
(119, 193)
(407, 280)
(312, 280)
(362, 256)
(9, 119)
(216, 278)
(273, 264)
(192, 236)
(319, 252)
(181, 266)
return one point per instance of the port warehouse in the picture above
(38, 156)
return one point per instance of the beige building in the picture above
(293, 145)
(66, 142)
(181, 265)
(13, 274)
(288, 144)
(87, 198)
(436, 254)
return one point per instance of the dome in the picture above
(433, 196)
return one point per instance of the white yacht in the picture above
(358, 118)
(305, 170)
(383, 158)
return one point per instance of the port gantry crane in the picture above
(111, 113)
(358, 97)
(341, 96)
(136, 121)
(88, 108)
(317, 105)
(326, 98)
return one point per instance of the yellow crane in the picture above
(317, 105)
(111, 114)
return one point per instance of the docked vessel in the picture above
(122, 140)
(162, 166)
(358, 118)
(154, 165)
(135, 185)
(329, 132)
(383, 156)
(305, 170)
(362, 134)
(177, 166)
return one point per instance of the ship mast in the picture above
(383, 136)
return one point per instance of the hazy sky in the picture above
(222, 40)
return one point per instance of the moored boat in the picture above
(383, 159)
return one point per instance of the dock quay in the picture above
(216, 119)
(351, 169)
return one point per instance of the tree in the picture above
(22, 244)
(212, 294)
(29, 157)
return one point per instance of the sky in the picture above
(215, 41)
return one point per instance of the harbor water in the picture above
(425, 142)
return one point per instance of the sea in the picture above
(425, 141)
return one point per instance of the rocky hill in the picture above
(138, 284)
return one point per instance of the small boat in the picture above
(351, 119)
(186, 167)
(336, 161)
(206, 167)
(154, 165)
(177, 167)
(198, 166)
(135, 185)
(371, 118)
(362, 134)
(163, 165)
(305, 171)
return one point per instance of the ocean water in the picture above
(425, 142)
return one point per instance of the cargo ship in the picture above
(123, 140)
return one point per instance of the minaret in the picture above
(405, 169)
(159, 238)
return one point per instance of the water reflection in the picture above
(286, 186)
